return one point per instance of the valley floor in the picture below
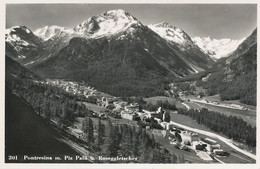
(21, 119)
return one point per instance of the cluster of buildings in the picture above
(131, 111)
(106, 101)
(73, 87)
(205, 148)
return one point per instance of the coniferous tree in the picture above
(100, 135)
(135, 143)
(90, 136)
(126, 144)
(107, 147)
(88, 129)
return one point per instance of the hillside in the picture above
(117, 67)
(236, 78)
(16, 70)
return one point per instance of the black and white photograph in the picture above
(127, 83)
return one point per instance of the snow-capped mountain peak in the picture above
(171, 33)
(217, 48)
(48, 32)
(14, 29)
(106, 24)
(19, 40)
(18, 35)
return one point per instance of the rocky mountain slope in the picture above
(177, 37)
(22, 44)
(28, 49)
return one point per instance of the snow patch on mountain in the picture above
(107, 24)
(11, 30)
(171, 33)
(13, 38)
(217, 48)
(22, 56)
(27, 30)
(48, 32)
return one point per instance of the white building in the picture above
(188, 137)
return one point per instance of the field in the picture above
(247, 115)
(94, 107)
(188, 121)
(217, 98)
(154, 100)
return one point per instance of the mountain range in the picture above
(114, 52)
(217, 48)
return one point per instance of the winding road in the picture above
(187, 106)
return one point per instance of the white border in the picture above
(113, 166)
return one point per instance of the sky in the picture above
(234, 21)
